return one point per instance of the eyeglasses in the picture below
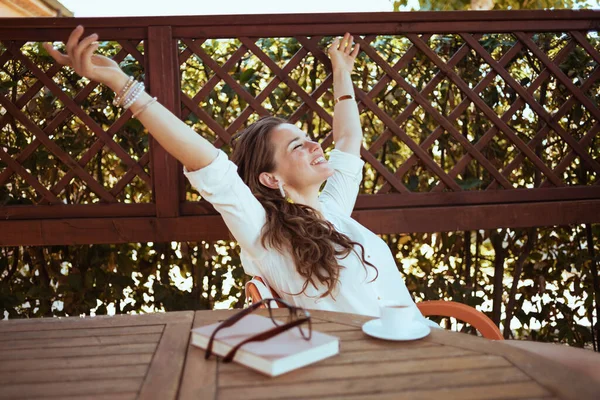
(297, 317)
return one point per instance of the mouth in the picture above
(318, 160)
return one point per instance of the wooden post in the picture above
(163, 81)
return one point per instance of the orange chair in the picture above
(461, 312)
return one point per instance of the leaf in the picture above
(247, 74)
(6, 85)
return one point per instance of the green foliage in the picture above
(453, 5)
(553, 299)
(134, 277)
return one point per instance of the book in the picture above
(282, 353)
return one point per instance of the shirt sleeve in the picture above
(341, 188)
(220, 184)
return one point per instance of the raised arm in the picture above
(347, 132)
(181, 141)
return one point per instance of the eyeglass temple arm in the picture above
(263, 336)
(228, 322)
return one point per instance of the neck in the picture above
(308, 197)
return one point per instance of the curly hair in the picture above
(313, 242)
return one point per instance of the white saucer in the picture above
(415, 330)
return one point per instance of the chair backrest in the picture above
(256, 290)
(464, 313)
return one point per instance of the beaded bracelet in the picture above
(127, 96)
(119, 96)
(134, 95)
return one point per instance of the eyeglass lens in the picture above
(294, 314)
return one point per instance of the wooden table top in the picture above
(149, 357)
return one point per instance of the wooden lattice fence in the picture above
(472, 120)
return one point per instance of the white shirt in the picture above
(220, 184)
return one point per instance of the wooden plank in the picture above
(381, 384)
(199, 380)
(164, 83)
(79, 341)
(319, 372)
(110, 230)
(547, 372)
(78, 332)
(354, 320)
(99, 321)
(76, 210)
(112, 396)
(515, 17)
(483, 197)
(305, 24)
(164, 374)
(520, 390)
(374, 357)
(376, 344)
(413, 353)
(441, 219)
(382, 221)
(464, 198)
(74, 362)
(73, 374)
(344, 335)
(61, 389)
(120, 349)
(365, 26)
(332, 328)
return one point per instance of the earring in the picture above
(281, 189)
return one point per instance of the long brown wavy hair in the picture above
(313, 242)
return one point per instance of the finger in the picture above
(74, 39)
(355, 51)
(349, 47)
(334, 44)
(57, 55)
(86, 58)
(346, 42)
(79, 49)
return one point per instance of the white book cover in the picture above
(275, 356)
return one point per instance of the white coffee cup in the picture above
(395, 315)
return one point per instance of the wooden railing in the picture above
(440, 93)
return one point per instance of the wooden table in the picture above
(148, 356)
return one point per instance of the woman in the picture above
(304, 244)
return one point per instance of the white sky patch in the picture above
(105, 8)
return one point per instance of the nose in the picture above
(314, 146)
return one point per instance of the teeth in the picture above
(318, 161)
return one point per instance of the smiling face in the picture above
(299, 162)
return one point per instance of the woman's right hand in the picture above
(80, 56)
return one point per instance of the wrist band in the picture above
(144, 107)
(123, 91)
(133, 95)
(344, 97)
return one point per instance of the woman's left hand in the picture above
(342, 54)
